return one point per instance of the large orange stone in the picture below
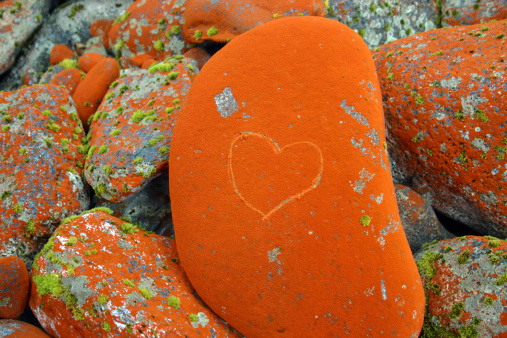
(284, 208)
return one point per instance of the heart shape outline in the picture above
(315, 181)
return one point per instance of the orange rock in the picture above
(60, 53)
(14, 287)
(465, 280)
(93, 87)
(30, 77)
(445, 114)
(69, 78)
(16, 329)
(146, 64)
(88, 60)
(99, 276)
(223, 20)
(471, 12)
(139, 59)
(198, 54)
(126, 63)
(151, 26)
(40, 169)
(283, 204)
(101, 27)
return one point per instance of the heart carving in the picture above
(266, 177)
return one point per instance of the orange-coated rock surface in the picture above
(69, 78)
(444, 100)
(470, 12)
(101, 27)
(31, 77)
(99, 276)
(222, 20)
(17, 329)
(283, 204)
(465, 281)
(60, 53)
(419, 221)
(14, 287)
(88, 60)
(198, 54)
(41, 156)
(91, 90)
(131, 131)
(151, 26)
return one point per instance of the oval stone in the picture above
(283, 204)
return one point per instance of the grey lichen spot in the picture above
(451, 83)
(272, 255)
(123, 244)
(470, 104)
(373, 135)
(384, 293)
(136, 298)
(352, 112)
(479, 144)
(5, 331)
(364, 178)
(201, 320)
(5, 301)
(226, 103)
(77, 286)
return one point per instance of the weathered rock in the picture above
(69, 78)
(91, 90)
(59, 53)
(282, 199)
(223, 20)
(14, 287)
(67, 25)
(31, 77)
(99, 276)
(131, 131)
(382, 21)
(150, 207)
(16, 329)
(465, 281)
(40, 169)
(18, 20)
(151, 26)
(419, 221)
(198, 54)
(471, 12)
(445, 113)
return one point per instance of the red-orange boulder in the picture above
(99, 276)
(14, 287)
(88, 60)
(444, 101)
(69, 78)
(222, 20)
(91, 90)
(283, 204)
(60, 53)
(16, 329)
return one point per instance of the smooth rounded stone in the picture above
(88, 60)
(283, 204)
(42, 143)
(445, 116)
(91, 90)
(471, 12)
(69, 78)
(198, 54)
(67, 24)
(99, 276)
(150, 26)
(14, 287)
(223, 20)
(382, 21)
(18, 20)
(419, 221)
(59, 53)
(131, 131)
(465, 280)
(10, 328)
(150, 207)
(31, 77)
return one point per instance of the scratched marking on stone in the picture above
(277, 150)
(226, 103)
